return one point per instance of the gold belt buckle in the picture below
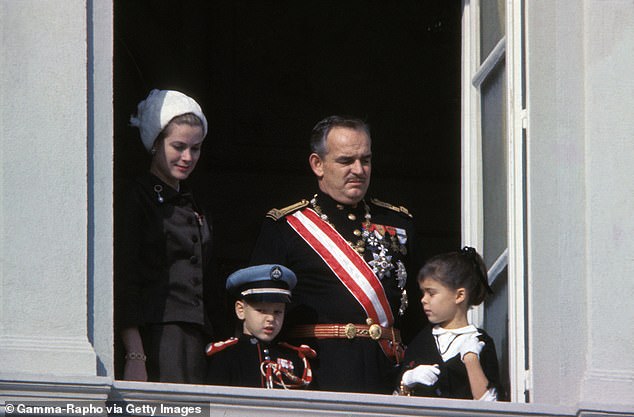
(375, 331)
(350, 330)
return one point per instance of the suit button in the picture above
(193, 259)
(196, 303)
(194, 238)
(195, 280)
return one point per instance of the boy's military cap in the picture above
(262, 283)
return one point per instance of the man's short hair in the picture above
(323, 127)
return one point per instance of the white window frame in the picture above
(473, 74)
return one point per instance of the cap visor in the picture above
(268, 298)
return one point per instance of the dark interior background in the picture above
(265, 72)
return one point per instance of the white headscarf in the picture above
(158, 109)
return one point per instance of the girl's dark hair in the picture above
(461, 269)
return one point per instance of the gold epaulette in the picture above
(277, 214)
(398, 209)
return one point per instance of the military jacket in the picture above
(243, 362)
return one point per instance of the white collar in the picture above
(449, 341)
(437, 330)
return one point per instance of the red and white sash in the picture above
(345, 262)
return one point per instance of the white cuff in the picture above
(490, 395)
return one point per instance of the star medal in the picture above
(381, 264)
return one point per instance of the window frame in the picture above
(510, 50)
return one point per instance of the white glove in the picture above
(471, 344)
(422, 374)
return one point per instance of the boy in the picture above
(256, 359)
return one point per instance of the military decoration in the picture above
(382, 263)
(401, 274)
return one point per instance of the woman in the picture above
(163, 250)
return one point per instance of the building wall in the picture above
(56, 216)
(43, 185)
(100, 182)
(580, 193)
(609, 131)
(556, 199)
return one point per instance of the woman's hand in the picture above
(134, 370)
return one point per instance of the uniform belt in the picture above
(344, 331)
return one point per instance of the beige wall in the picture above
(609, 115)
(581, 194)
(43, 119)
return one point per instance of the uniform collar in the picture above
(330, 205)
(252, 340)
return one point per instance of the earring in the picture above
(153, 151)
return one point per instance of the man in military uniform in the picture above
(352, 257)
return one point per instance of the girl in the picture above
(163, 249)
(449, 357)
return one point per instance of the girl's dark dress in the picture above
(452, 381)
